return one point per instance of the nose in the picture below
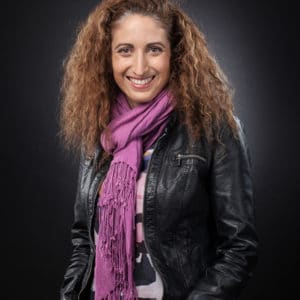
(140, 64)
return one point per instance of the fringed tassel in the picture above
(114, 275)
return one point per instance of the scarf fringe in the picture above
(117, 218)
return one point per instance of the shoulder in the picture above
(233, 130)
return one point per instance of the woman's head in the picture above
(141, 54)
(95, 71)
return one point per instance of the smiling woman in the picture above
(164, 206)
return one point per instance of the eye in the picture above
(155, 50)
(124, 50)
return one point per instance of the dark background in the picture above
(255, 44)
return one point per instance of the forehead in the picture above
(138, 28)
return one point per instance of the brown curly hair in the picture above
(202, 94)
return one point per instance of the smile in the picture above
(141, 82)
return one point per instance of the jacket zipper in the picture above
(179, 157)
(87, 276)
(145, 239)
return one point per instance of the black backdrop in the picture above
(255, 44)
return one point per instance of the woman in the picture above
(164, 205)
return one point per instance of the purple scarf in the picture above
(132, 132)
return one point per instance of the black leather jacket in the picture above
(199, 220)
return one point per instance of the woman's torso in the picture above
(177, 224)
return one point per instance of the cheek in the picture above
(118, 65)
(164, 68)
(163, 65)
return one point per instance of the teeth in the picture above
(140, 82)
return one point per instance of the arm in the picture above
(80, 242)
(234, 216)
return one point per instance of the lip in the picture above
(140, 86)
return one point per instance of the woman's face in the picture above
(140, 57)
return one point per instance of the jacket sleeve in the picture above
(72, 280)
(234, 217)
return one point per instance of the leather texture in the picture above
(199, 217)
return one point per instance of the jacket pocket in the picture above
(190, 162)
(180, 157)
(190, 158)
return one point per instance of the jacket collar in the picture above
(172, 121)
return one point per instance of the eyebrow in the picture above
(149, 44)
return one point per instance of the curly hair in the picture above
(203, 96)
